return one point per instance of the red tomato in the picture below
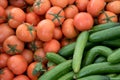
(4, 3)
(2, 15)
(21, 77)
(57, 33)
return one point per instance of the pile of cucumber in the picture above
(94, 56)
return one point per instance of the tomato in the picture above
(52, 46)
(60, 3)
(113, 7)
(8, 9)
(94, 7)
(40, 7)
(16, 16)
(12, 45)
(6, 74)
(57, 33)
(5, 32)
(71, 1)
(107, 16)
(109, 0)
(21, 77)
(30, 2)
(29, 9)
(82, 4)
(4, 3)
(45, 30)
(26, 32)
(17, 64)
(71, 11)
(3, 59)
(28, 55)
(32, 18)
(83, 21)
(68, 29)
(2, 15)
(56, 14)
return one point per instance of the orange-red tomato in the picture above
(107, 16)
(45, 30)
(52, 46)
(6, 74)
(68, 29)
(4, 3)
(17, 64)
(57, 33)
(3, 59)
(83, 21)
(12, 45)
(71, 1)
(94, 7)
(28, 55)
(2, 15)
(56, 14)
(71, 11)
(30, 2)
(26, 32)
(21, 77)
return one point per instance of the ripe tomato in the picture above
(4, 3)
(12, 45)
(60, 3)
(56, 14)
(17, 64)
(94, 7)
(68, 29)
(21, 77)
(52, 46)
(3, 59)
(30, 2)
(6, 74)
(26, 32)
(71, 11)
(57, 33)
(83, 21)
(28, 55)
(8, 9)
(40, 7)
(5, 32)
(2, 15)
(71, 1)
(113, 7)
(82, 4)
(107, 16)
(45, 30)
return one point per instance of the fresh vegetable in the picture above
(100, 59)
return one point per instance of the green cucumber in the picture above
(95, 51)
(100, 27)
(68, 76)
(79, 49)
(57, 59)
(106, 34)
(115, 57)
(58, 71)
(100, 59)
(99, 68)
(95, 77)
(117, 77)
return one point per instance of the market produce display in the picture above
(59, 39)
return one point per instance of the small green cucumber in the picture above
(100, 59)
(115, 57)
(79, 49)
(95, 77)
(68, 76)
(106, 34)
(60, 70)
(57, 59)
(99, 68)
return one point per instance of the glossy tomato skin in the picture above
(21, 77)
(4, 3)
(83, 21)
(3, 15)
(57, 33)
(17, 64)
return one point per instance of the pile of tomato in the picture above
(31, 28)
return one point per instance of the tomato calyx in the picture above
(38, 3)
(33, 46)
(30, 28)
(9, 16)
(1, 71)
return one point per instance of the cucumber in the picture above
(68, 76)
(79, 49)
(58, 71)
(57, 59)
(95, 77)
(100, 59)
(99, 68)
(95, 51)
(115, 57)
(100, 27)
(117, 77)
(106, 34)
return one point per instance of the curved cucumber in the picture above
(99, 68)
(95, 51)
(95, 77)
(115, 57)
(79, 49)
(106, 34)
(68, 76)
(58, 71)
(57, 59)
(100, 59)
